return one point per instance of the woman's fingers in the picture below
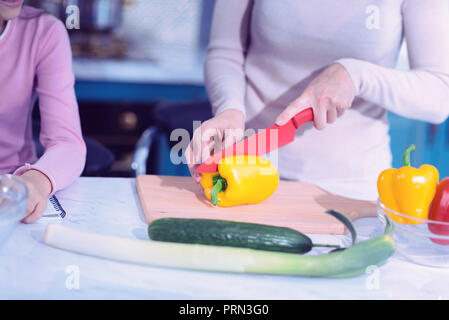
(211, 142)
(320, 113)
(215, 134)
(232, 136)
(324, 112)
(195, 175)
(200, 148)
(340, 111)
(200, 141)
(329, 94)
(191, 155)
(195, 152)
(292, 110)
(192, 165)
(332, 115)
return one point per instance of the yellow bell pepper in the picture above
(408, 190)
(240, 180)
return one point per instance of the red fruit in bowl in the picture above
(439, 211)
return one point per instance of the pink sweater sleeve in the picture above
(423, 92)
(224, 72)
(65, 150)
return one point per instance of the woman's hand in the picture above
(215, 134)
(329, 95)
(39, 189)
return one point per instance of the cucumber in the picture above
(229, 233)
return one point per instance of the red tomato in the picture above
(439, 211)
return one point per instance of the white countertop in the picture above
(31, 270)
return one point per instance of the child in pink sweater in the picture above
(36, 62)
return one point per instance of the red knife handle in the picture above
(303, 117)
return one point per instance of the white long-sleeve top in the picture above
(263, 53)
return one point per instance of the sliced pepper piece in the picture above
(240, 180)
(408, 190)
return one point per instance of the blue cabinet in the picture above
(137, 92)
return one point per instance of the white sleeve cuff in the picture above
(353, 67)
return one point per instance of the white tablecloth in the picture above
(31, 270)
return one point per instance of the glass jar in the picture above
(13, 203)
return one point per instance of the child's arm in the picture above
(65, 150)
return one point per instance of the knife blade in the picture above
(260, 143)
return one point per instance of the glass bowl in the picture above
(13, 203)
(424, 242)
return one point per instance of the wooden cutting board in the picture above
(296, 205)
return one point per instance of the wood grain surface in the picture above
(296, 205)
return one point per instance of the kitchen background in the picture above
(138, 68)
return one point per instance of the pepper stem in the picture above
(407, 155)
(219, 186)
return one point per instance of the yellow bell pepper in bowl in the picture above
(408, 190)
